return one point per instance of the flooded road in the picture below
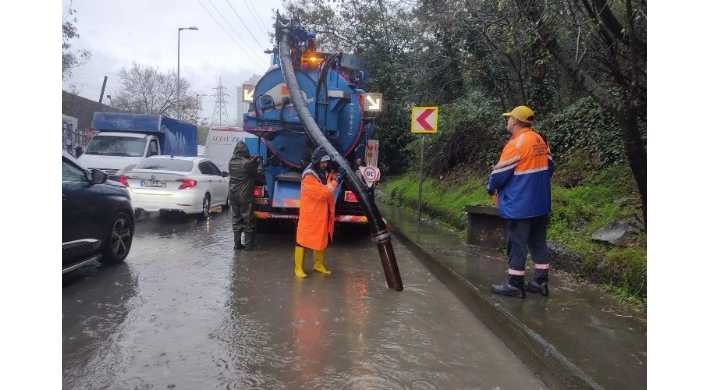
(185, 311)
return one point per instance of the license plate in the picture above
(261, 200)
(150, 183)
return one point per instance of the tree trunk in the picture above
(627, 116)
(624, 110)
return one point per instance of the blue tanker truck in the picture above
(344, 113)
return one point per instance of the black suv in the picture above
(97, 217)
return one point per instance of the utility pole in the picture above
(179, 111)
(239, 105)
(103, 88)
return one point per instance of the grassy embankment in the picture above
(578, 213)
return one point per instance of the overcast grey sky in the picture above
(230, 42)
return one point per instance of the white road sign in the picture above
(248, 93)
(373, 102)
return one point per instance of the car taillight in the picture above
(124, 180)
(350, 196)
(187, 183)
(258, 191)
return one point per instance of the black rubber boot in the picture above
(250, 244)
(512, 287)
(508, 290)
(535, 287)
(238, 241)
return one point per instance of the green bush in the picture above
(585, 127)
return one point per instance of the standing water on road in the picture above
(186, 311)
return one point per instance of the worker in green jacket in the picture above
(244, 170)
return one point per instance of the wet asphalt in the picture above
(187, 312)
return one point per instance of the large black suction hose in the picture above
(378, 229)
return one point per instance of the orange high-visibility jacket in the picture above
(316, 218)
(522, 176)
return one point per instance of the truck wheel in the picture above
(206, 206)
(118, 242)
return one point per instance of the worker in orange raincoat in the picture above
(317, 212)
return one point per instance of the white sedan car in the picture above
(191, 185)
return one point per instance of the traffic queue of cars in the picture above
(98, 215)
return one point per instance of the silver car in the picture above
(190, 185)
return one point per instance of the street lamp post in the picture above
(198, 104)
(179, 112)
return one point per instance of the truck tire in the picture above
(206, 205)
(118, 243)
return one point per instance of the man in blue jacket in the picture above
(521, 182)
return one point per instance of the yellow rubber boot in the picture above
(299, 262)
(318, 262)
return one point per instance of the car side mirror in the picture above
(225, 174)
(97, 176)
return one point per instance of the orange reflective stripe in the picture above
(516, 272)
(542, 266)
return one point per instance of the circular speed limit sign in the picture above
(371, 173)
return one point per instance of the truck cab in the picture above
(125, 139)
(112, 152)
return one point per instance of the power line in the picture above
(229, 35)
(240, 19)
(233, 29)
(257, 18)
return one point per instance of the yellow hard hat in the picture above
(522, 113)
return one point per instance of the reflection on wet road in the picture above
(184, 311)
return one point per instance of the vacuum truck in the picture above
(330, 85)
(307, 99)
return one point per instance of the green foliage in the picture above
(626, 267)
(442, 199)
(585, 128)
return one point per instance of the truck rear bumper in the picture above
(338, 218)
(351, 218)
(272, 215)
